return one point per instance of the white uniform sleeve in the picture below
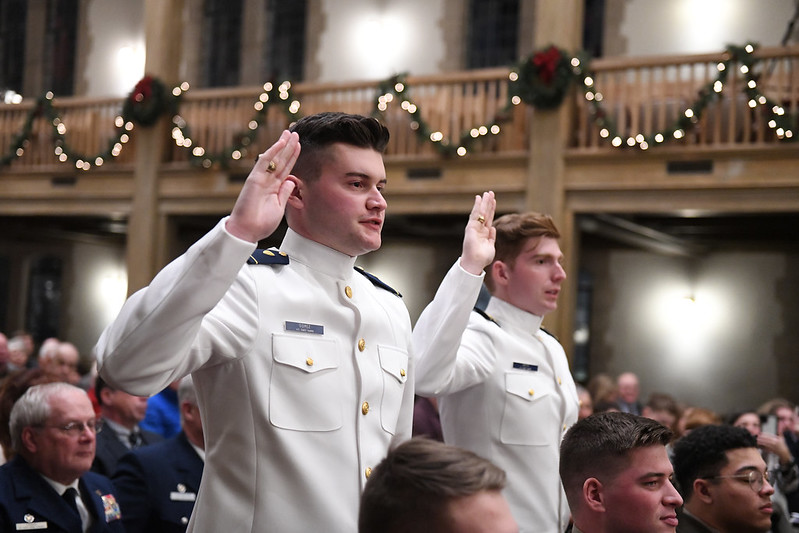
(168, 329)
(439, 331)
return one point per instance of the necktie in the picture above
(135, 439)
(69, 496)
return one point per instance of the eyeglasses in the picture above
(76, 429)
(755, 478)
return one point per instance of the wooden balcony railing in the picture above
(647, 95)
(640, 95)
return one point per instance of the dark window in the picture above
(493, 33)
(12, 44)
(222, 42)
(44, 298)
(593, 26)
(285, 40)
(59, 47)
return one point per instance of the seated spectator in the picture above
(60, 360)
(603, 388)
(157, 485)
(694, 417)
(426, 420)
(662, 408)
(121, 413)
(586, 403)
(48, 484)
(4, 356)
(629, 389)
(617, 475)
(782, 469)
(17, 354)
(723, 480)
(10, 391)
(163, 412)
(426, 485)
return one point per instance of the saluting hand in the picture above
(262, 201)
(480, 234)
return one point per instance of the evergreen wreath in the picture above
(148, 100)
(543, 78)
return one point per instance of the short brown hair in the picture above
(599, 446)
(513, 231)
(317, 132)
(410, 488)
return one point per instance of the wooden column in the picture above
(146, 228)
(559, 23)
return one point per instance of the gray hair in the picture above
(186, 391)
(33, 408)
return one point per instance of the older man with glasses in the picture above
(724, 482)
(48, 484)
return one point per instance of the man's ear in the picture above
(30, 439)
(593, 495)
(296, 197)
(702, 491)
(499, 272)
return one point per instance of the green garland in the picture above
(540, 80)
(784, 125)
(395, 87)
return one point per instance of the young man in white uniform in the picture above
(507, 393)
(303, 366)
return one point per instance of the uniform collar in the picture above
(317, 256)
(508, 315)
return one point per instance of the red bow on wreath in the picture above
(143, 90)
(546, 62)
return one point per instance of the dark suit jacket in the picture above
(27, 499)
(688, 524)
(110, 449)
(156, 485)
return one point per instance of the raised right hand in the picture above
(262, 201)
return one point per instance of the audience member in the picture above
(157, 485)
(17, 354)
(299, 398)
(603, 388)
(427, 486)
(586, 403)
(723, 480)
(60, 361)
(606, 406)
(10, 391)
(627, 383)
(4, 356)
(662, 408)
(121, 413)
(780, 464)
(163, 412)
(617, 475)
(507, 393)
(48, 484)
(426, 421)
(694, 417)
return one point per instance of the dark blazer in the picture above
(156, 485)
(689, 524)
(28, 500)
(110, 449)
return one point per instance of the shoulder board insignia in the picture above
(485, 315)
(268, 257)
(550, 334)
(376, 281)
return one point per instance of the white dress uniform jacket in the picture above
(303, 373)
(507, 394)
